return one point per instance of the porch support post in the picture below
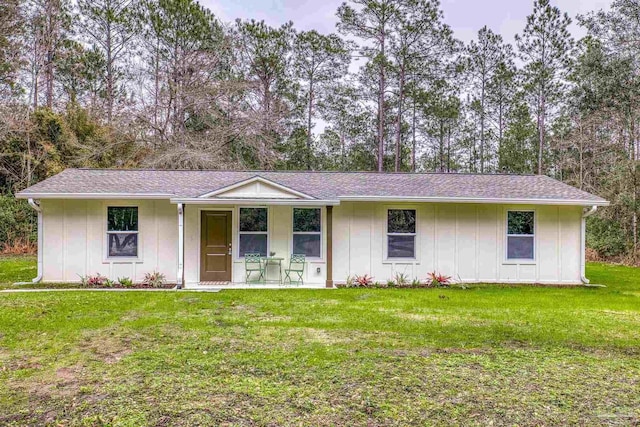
(329, 283)
(180, 277)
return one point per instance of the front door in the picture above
(215, 246)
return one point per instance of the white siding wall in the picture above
(465, 241)
(75, 240)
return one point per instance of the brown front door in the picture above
(215, 246)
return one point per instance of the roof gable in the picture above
(256, 188)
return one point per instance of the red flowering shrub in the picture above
(438, 280)
(363, 281)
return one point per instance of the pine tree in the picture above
(264, 56)
(484, 60)
(50, 23)
(502, 91)
(545, 46)
(182, 40)
(11, 31)
(372, 21)
(420, 44)
(318, 61)
(109, 25)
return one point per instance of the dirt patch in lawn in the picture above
(107, 347)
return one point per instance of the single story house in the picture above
(196, 226)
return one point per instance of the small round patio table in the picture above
(271, 260)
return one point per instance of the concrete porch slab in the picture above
(228, 285)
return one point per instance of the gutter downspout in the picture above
(179, 279)
(36, 206)
(583, 243)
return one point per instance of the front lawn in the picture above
(17, 269)
(486, 355)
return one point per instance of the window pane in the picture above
(306, 219)
(253, 243)
(123, 245)
(401, 246)
(308, 244)
(520, 222)
(253, 219)
(520, 247)
(401, 221)
(122, 218)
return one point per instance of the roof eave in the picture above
(93, 196)
(485, 200)
(326, 202)
(254, 201)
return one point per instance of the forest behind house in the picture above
(166, 84)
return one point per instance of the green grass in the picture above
(17, 269)
(486, 355)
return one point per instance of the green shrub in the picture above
(18, 221)
(606, 237)
(125, 281)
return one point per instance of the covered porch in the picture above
(252, 285)
(221, 236)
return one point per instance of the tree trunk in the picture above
(109, 73)
(541, 132)
(441, 145)
(29, 154)
(48, 79)
(581, 155)
(449, 148)
(310, 112)
(399, 118)
(50, 46)
(173, 99)
(482, 119)
(381, 115)
(500, 133)
(156, 94)
(342, 147)
(36, 70)
(413, 131)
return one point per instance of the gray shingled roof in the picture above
(319, 185)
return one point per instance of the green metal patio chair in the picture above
(253, 264)
(296, 267)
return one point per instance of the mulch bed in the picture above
(134, 286)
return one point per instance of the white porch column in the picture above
(179, 279)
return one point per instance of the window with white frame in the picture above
(401, 233)
(520, 235)
(253, 231)
(122, 231)
(307, 234)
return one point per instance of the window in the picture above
(307, 235)
(401, 233)
(253, 231)
(520, 235)
(122, 231)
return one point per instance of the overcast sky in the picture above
(466, 17)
